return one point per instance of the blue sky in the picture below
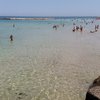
(49, 7)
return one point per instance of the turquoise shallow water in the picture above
(46, 64)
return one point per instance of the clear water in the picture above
(46, 64)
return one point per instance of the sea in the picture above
(42, 63)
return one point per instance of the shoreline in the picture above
(46, 17)
(24, 18)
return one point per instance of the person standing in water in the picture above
(81, 28)
(11, 37)
(13, 25)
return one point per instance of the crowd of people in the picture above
(80, 28)
(81, 25)
(77, 28)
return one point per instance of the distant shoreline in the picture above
(15, 18)
(44, 18)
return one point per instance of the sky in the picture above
(49, 7)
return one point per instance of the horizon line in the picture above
(47, 16)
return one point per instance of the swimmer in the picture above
(11, 37)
